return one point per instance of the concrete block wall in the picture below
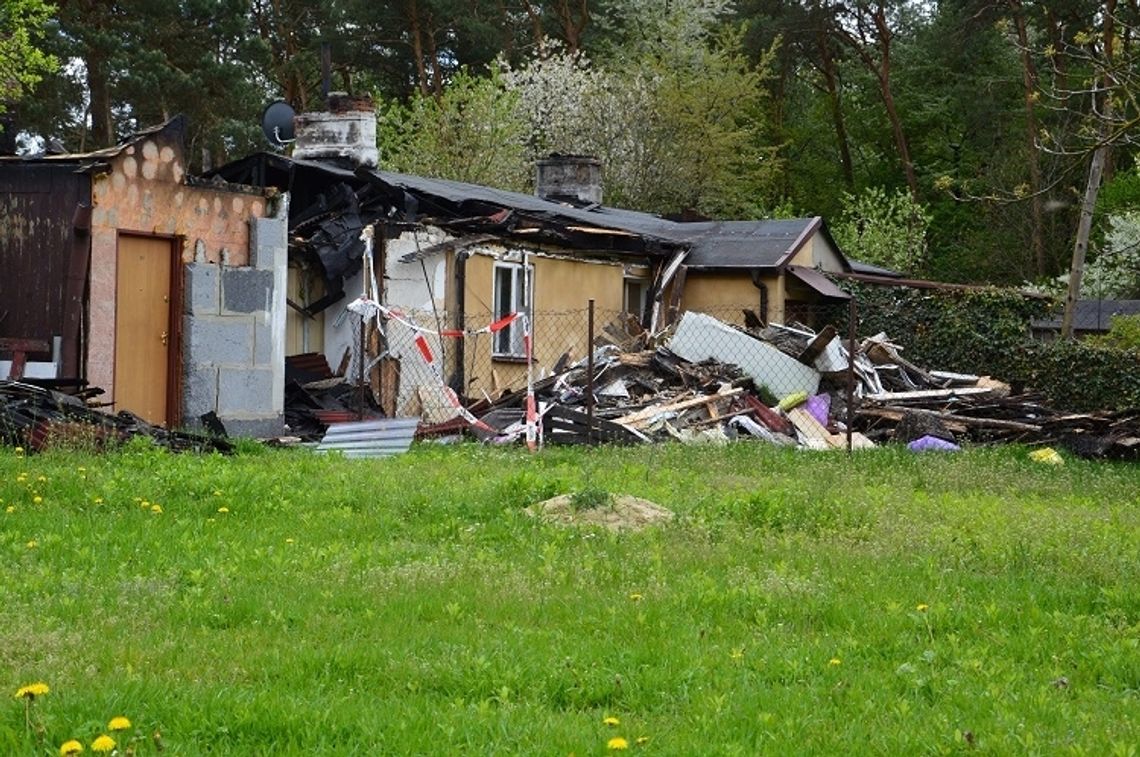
(234, 335)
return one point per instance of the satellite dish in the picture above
(277, 123)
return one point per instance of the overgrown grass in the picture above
(283, 603)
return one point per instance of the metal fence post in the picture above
(852, 316)
(590, 366)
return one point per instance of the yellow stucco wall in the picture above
(818, 252)
(144, 193)
(562, 288)
(720, 294)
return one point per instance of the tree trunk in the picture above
(1081, 246)
(102, 125)
(1029, 81)
(417, 47)
(883, 32)
(831, 81)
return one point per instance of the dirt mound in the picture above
(621, 513)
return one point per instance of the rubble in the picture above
(712, 382)
(37, 418)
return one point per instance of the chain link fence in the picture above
(709, 375)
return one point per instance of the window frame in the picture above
(522, 302)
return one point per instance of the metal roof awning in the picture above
(818, 282)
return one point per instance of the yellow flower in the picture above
(223, 509)
(32, 544)
(98, 500)
(118, 723)
(32, 690)
(922, 607)
(37, 499)
(70, 747)
(616, 743)
(834, 661)
(642, 740)
(41, 478)
(611, 720)
(103, 743)
(636, 597)
(156, 508)
(289, 541)
(10, 509)
(19, 450)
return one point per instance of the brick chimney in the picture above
(569, 178)
(346, 130)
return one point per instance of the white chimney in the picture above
(346, 130)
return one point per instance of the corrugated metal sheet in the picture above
(379, 438)
(37, 243)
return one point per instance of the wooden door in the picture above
(143, 327)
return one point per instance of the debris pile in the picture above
(709, 381)
(37, 418)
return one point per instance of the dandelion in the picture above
(611, 720)
(19, 450)
(156, 508)
(37, 499)
(32, 544)
(922, 607)
(635, 597)
(70, 747)
(103, 743)
(98, 500)
(10, 509)
(289, 541)
(617, 743)
(642, 740)
(41, 479)
(118, 723)
(223, 510)
(32, 690)
(834, 661)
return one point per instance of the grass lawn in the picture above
(283, 603)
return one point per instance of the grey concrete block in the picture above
(218, 340)
(258, 428)
(199, 392)
(246, 290)
(245, 391)
(262, 344)
(266, 237)
(200, 296)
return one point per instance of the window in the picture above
(511, 296)
(633, 296)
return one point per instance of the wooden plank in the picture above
(930, 394)
(816, 346)
(962, 421)
(817, 435)
(642, 416)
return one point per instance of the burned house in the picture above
(454, 257)
(124, 273)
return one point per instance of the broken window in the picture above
(511, 295)
(633, 296)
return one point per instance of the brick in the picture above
(246, 392)
(218, 340)
(246, 290)
(201, 292)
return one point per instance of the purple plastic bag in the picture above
(932, 444)
(819, 406)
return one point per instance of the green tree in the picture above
(472, 132)
(884, 228)
(23, 62)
